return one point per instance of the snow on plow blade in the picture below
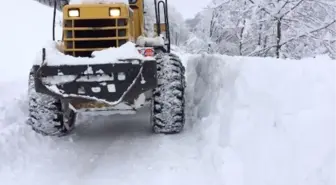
(111, 83)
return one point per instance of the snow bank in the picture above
(263, 121)
(127, 50)
(28, 32)
(97, 1)
(109, 55)
(150, 41)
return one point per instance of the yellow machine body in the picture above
(144, 74)
(162, 27)
(92, 27)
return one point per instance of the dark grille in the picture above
(95, 33)
(96, 29)
(95, 44)
(96, 23)
(79, 53)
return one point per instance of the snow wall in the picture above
(265, 121)
(28, 32)
(23, 35)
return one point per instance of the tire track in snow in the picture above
(120, 149)
(100, 133)
(132, 149)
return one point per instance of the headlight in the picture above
(114, 12)
(73, 13)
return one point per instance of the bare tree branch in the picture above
(293, 8)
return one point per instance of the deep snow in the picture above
(23, 35)
(265, 121)
(251, 121)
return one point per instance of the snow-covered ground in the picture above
(251, 121)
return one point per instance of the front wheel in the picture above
(46, 115)
(168, 103)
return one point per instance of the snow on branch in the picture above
(292, 39)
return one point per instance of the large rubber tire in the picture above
(168, 102)
(46, 115)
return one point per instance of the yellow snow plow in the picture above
(105, 62)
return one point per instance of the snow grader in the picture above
(106, 62)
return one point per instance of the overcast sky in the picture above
(189, 8)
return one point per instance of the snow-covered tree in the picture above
(296, 27)
(277, 28)
(59, 3)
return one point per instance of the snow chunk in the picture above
(97, 1)
(148, 41)
(111, 88)
(127, 50)
(96, 89)
(88, 71)
(141, 100)
(109, 55)
(121, 76)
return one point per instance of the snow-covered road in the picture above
(251, 121)
(103, 150)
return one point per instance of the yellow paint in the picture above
(94, 14)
